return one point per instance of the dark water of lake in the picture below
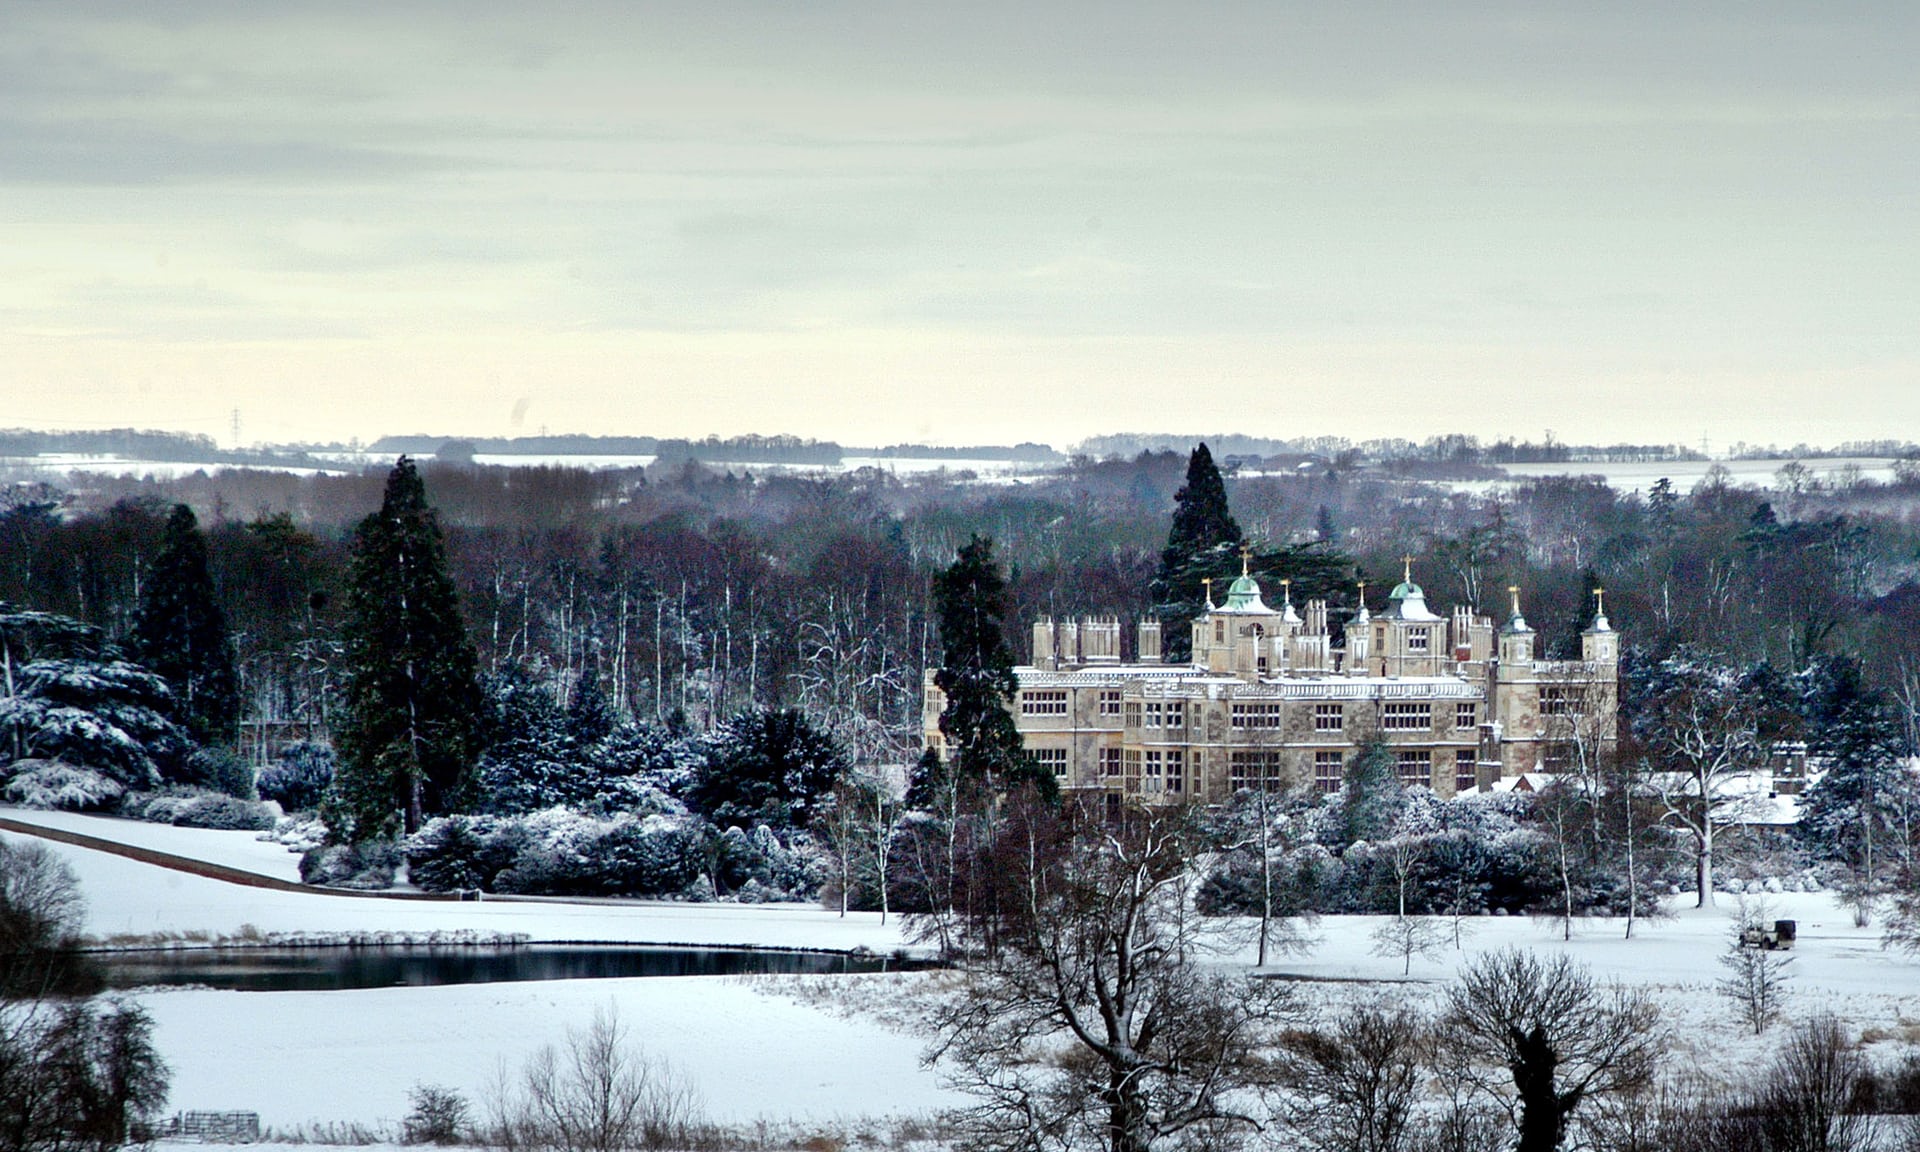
(334, 969)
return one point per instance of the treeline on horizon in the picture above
(694, 592)
(1450, 449)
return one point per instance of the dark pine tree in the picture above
(767, 766)
(414, 709)
(976, 675)
(181, 634)
(1203, 542)
(1858, 810)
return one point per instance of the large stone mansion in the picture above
(1269, 701)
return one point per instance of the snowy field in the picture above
(1640, 476)
(776, 1048)
(126, 897)
(244, 851)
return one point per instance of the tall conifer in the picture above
(181, 634)
(1201, 543)
(976, 673)
(413, 706)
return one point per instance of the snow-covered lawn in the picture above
(242, 850)
(126, 897)
(296, 1057)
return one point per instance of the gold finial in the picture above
(1514, 591)
(1246, 557)
(1600, 601)
(1286, 590)
(1208, 582)
(1406, 569)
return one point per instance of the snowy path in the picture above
(242, 850)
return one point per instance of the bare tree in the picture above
(1810, 1087)
(1541, 1037)
(1354, 1083)
(1092, 1024)
(1404, 937)
(597, 1092)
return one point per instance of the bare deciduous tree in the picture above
(1355, 1082)
(597, 1092)
(1091, 1024)
(1541, 1037)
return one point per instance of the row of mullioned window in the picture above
(1395, 715)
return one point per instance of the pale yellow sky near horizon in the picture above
(887, 223)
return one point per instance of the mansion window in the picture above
(1043, 703)
(1466, 714)
(1559, 700)
(1415, 765)
(1171, 714)
(1109, 703)
(1133, 715)
(1163, 771)
(1418, 639)
(1256, 715)
(1463, 772)
(1053, 760)
(1400, 716)
(1110, 762)
(1329, 717)
(1328, 767)
(1259, 771)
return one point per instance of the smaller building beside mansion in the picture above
(1269, 701)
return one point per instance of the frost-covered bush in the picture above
(369, 864)
(455, 852)
(199, 808)
(299, 778)
(566, 853)
(52, 785)
(221, 770)
(107, 715)
(298, 833)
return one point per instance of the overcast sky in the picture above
(963, 222)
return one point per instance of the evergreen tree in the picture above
(976, 673)
(413, 712)
(1858, 812)
(1202, 543)
(1371, 795)
(767, 766)
(181, 634)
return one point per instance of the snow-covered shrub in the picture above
(221, 770)
(53, 785)
(198, 808)
(107, 715)
(366, 865)
(299, 833)
(299, 778)
(566, 853)
(454, 852)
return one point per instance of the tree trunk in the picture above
(1543, 1112)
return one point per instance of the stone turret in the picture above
(1600, 644)
(1148, 638)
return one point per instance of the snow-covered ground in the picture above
(242, 850)
(753, 1051)
(126, 897)
(300, 1057)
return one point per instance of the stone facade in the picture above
(1270, 701)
